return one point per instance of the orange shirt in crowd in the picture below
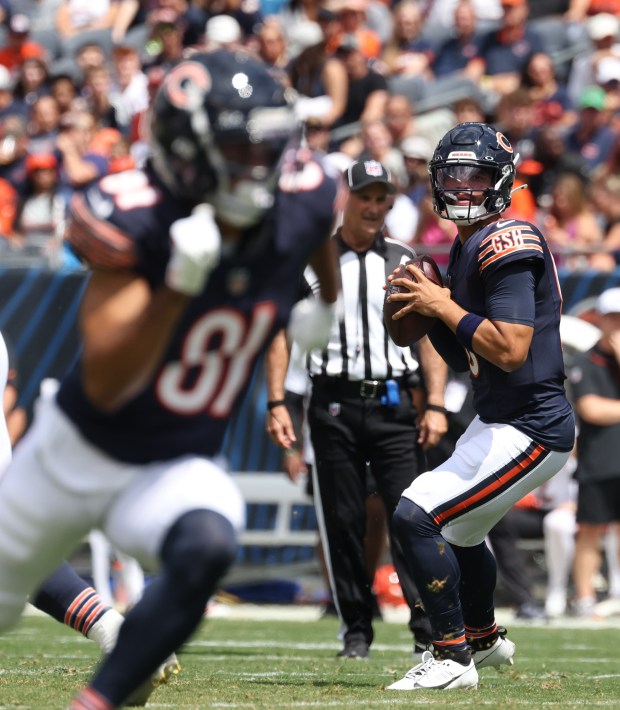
(8, 207)
(11, 57)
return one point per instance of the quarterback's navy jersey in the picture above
(533, 397)
(124, 222)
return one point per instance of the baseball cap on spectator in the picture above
(362, 173)
(607, 70)
(19, 24)
(416, 147)
(41, 161)
(609, 301)
(6, 81)
(222, 29)
(602, 25)
(593, 97)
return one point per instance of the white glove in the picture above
(311, 322)
(195, 251)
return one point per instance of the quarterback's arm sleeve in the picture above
(445, 343)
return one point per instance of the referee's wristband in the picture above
(272, 404)
(466, 328)
(436, 408)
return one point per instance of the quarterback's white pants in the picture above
(489, 471)
(59, 487)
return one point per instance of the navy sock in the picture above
(197, 551)
(66, 597)
(435, 570)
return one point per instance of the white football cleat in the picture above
(432, 674)
(499, 654)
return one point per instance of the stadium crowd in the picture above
(377, 80)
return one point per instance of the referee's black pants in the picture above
(347, 431)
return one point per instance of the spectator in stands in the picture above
(9, 105)
(13, 149)
(129, 25)
(551, 103)
(515, 118)
(367, 90)
(504, 52)
(223, 32)
(79, 165)
(408, 55)
(592, 137)
(468, 109)
(98, 93)
(32, 81)
(417, 152)
(78, 22)
(165, 43)
(40, 220)
(130, 86)
(550, 159)
(570, 223)
(352, 16)
(455, 53)
(399, 118)
(272, 47)
(603, 32)
(43, 126)
(595, 385)
(316, 72)
(64, 89)
(19, 46)
(606, 202)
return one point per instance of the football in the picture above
(413, 326)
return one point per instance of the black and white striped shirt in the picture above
(359, 346)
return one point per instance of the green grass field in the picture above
(273, 663)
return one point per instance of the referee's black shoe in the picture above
(355, 648)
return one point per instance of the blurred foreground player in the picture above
(64, 595)
(499, 318)
(184, 297)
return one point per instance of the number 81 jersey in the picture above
(124, 223)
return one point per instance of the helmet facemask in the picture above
(467, 192)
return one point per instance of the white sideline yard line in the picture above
(391, 615)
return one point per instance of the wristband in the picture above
(436, 408)
(466, 328)
(275, 403)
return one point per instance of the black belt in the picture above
(366, 389)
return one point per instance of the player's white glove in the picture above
(195, 251)
(311, 322)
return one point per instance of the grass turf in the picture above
(291, 664)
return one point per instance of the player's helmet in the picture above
(220, 124)
(464, 160)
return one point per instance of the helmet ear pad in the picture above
(475, 145)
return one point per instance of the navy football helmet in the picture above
(472, 173)
(220, 124)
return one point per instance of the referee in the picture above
(361, 408)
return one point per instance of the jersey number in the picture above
(210, 381)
